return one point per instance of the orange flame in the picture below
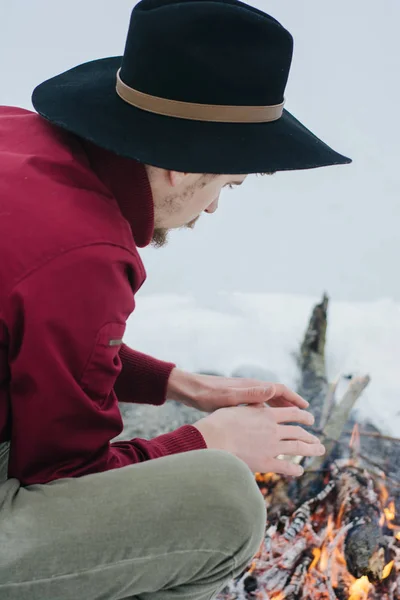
(267, 477)
(387, 570)
(384, 494)
(390, 511)
(250, 571)
(317, 555)
(359, 589)
(323, 561)
(390, 514)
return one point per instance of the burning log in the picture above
(359, 510)
(365, 547)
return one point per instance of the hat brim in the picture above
(83, 101)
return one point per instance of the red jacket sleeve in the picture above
(66, 321)
(143, 379)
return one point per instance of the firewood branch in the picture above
(340, 416)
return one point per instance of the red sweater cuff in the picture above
(143, 379)
(184, 439)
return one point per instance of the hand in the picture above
(209, 392)
(255, 434)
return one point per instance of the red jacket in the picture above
(71, 218)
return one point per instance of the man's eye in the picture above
(230, 186)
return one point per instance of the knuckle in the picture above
(255, 392)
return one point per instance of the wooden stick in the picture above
(329, 403)
(333, 431)
(342, 411)
(340, 416)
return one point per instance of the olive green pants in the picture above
(171, 528)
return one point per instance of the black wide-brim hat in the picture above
(200, 89)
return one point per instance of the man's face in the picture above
(180, 198)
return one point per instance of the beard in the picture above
(160, 235)
(171, 204)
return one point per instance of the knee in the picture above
(240, 501)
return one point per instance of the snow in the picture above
(227, 331)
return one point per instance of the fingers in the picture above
(258, 393)
(292, 414)
(298, 448)
(294, 432)
(284, 467)
(281, 391)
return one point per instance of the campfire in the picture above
(344, 543)
(332, 534)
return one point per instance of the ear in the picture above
(175, 178)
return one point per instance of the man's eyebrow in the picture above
(237, 182)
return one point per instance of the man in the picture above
(122, 150)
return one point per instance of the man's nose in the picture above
(213, 207)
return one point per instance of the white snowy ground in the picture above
(228, 331)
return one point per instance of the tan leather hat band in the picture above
(198, 112)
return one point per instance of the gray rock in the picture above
(146, 421)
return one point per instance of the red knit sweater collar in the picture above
(128, 182)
